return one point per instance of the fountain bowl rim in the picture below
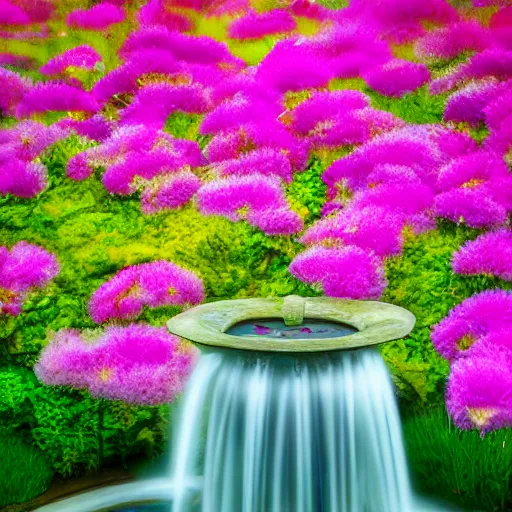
(376, 322)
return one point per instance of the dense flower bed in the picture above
(156, 154)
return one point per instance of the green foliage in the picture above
(76, 432)
(416, 107)
(422, 281)
(24, 472)
(458, 465)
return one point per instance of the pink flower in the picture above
(470, 321)
(155, 13)
(281, 221)
(169, 191)
(83, 57)
(348, 272)
(490, 254)
(478, 394)
(256, 26)
(99, 17)
(155, 284)
(265, 161)
(13, 90)
(11, 14)
(373, 229)
(50, 96)
(498, 108)
(21, 178)
(397, 77)
(448, 42)
(139, 364)
(95, 128)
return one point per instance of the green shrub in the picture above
(24, 472)
(76, 432)
(422, 281)
(461, 466)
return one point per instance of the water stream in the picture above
(279, 432)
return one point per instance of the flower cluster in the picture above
(99, 17)
(22, 269)
(155, 284)
(139, 364)
(82, 57)
(476, 337)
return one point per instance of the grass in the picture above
(460, 466)
(24, 472)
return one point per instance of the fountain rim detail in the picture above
(376, 323)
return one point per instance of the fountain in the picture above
(289, 409)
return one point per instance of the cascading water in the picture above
(286, 432)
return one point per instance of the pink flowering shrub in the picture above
(255, 26)
(258, 199)
(83, 57)
(99, 17)
(470, 321)
(348, 272)
(155, 13)
(154, 284)
(397, 77)
(490, 254)
(14, 89)
(138, 364)
(22, 268)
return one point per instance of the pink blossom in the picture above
(50, 96)
(230, 196)
(348, 272)
(11, 14)
(266, 161)
(154, 284)
(83, 57)
(397, 77)
(256, 26)
(154, 103)
(21, 178)
(275, 222)
(99, 17)
(490, 254)
(470, 321)
(14, 60)
(478, 394)
(95, 128)
(169, 191)
(498, 109)
(374, 229)
(323, 106)
(13, 90)
(307, 9)
(155, 13)
(139, 364)
(448, 42)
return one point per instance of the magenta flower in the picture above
(281, 221)
(496, 343)
(138, 364)
(470, 321)
(155, 13)
(266, 161)
(13, 90)
(397, 77)
(21, 178)
(169, 191)
(14, 60)
(154, 284)
(490, 254)
(231, 197)
(292, 67)
(95, 128)
(389, 174)
(230, 145)
(99, 17)
(373, 229)
(256, 26)
(478, 394)
(499, 108)
(467, 104)
(49, 96)
(323, 106)
(154, 103)
(11, 14)
(240, 110)
(198, 49)
(448, 42)
(307, 9)
(348, 272)
(83, 57)
(23, 268)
